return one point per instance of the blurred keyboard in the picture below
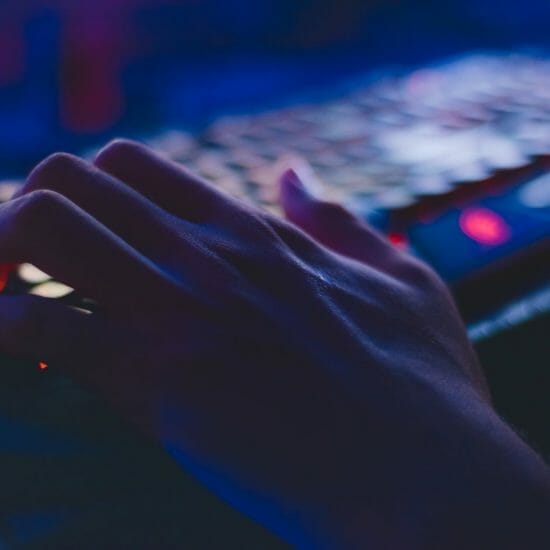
(406, 151)
(389, 144)
(449, 161)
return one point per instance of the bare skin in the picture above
(309, 373)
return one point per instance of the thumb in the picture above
(331, 224)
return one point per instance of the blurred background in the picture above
(429, 119)
(74, 73)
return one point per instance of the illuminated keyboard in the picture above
(451, 161)
(404, 151)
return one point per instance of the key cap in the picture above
(32, 275)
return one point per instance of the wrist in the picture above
(484, 489)
(500, 497)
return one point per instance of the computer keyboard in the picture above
(391, 143)
(451, 161)
(404, 151)
(408, 151)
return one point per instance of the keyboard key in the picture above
(428, 186)
(32, 275)
(394, 199)
(52, 289)
(8, 188)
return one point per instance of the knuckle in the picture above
(117, 150)
(53, 167)
(36, 206)
(421, 275)
(257, 229)
(265, 229)
(51, 172)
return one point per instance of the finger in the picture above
(331, 224)
(164, 182)
(47, 230)
(45, 330)
(127, 213)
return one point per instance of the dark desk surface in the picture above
(74, 476)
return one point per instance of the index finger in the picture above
(165, 182)
(47, 230)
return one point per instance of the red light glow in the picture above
(398, 240)
(5, 272)
(42, 366)
(484, 226)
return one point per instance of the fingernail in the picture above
(291, 178)
(303, 181)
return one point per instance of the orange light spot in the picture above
(42, 366)
(484, 226)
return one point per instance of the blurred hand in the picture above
(318, 379)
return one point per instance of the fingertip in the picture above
(295, 184)
(117, 150)
(294, 192)
(53, 168)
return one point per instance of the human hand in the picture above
(323, 384)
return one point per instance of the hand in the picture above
(320, 380)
